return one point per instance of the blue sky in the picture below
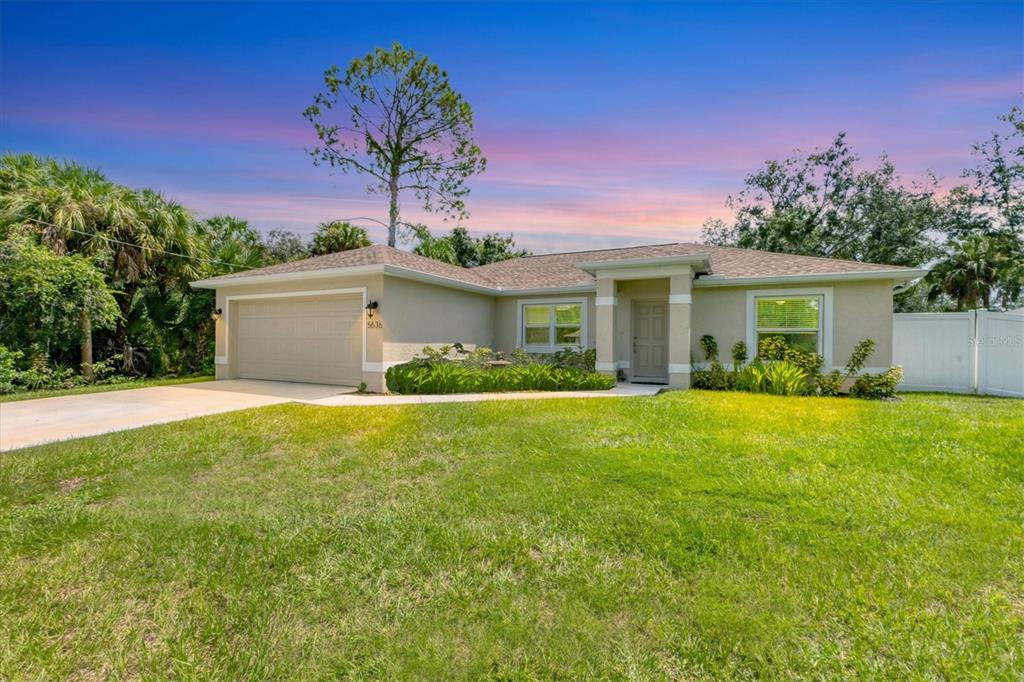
(603, 124)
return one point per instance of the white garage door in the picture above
(317, 339)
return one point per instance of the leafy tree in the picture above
(337, 235)
(402, 124)
(44, 295)
(819, 204)
(460, 248)
(283, 246)
(984, 218)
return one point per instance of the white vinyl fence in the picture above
(979, 351)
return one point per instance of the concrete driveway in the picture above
(30, 422)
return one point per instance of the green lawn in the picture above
(692, 535)
(101, 388)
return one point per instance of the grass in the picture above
(101, 388)
(692, 535)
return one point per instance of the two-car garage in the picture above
(311, 339)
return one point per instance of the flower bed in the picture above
(452, 369)
(781, 370)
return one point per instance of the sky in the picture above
(604, 124)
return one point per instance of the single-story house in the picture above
(345, 318)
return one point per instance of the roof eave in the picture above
(347, 271)
(900, 275)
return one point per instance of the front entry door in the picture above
(650, 340)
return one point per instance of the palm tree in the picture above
(69, 207)
(127, 233)
(338, 235)
(969, 274)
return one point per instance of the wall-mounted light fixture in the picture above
(217, 312)
(370, 307)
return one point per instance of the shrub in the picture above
(421, 377)
(877, 386)
(573, 358)
(772, 349)
(714, 378)
(828, 384)
(859, 357)
(710, 347)
(777, 378)
(739, 355)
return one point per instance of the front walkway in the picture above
(33, 422)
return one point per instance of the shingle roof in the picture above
(560, 270)
(377, 254)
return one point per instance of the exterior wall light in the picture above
(217, 312)
(370, 307)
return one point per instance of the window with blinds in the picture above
(796, 319)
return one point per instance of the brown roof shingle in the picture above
(560, 270)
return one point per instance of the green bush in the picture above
(877, 386)
(714, 378)
(778, 378)
(739, 355)
(421, 377)
(710, 347)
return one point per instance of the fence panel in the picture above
(1000, 347)
(935, 350)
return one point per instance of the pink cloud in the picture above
(994, 88)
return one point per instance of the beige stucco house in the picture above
(345, 318)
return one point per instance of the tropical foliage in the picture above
(780, 369)
(94, 275)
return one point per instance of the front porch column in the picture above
(680, 301)
(605, 326)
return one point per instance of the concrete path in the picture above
(31, 422)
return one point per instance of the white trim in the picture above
(291, 294)
(622, 364)
(679, 368)
(607, 301)
(826, 316)
(703, 259)
(637, 268)
(439, 280)
(723, 281)
(227, 282)
(220, 359)
(582, 302)
(548, 291)
(605, 366)
(679, 298)
(382, 366)
(648, 272)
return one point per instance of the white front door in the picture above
(650, 340)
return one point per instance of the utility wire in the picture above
(137, 246)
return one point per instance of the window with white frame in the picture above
(552, 325)
(796, 319)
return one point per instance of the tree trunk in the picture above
(86, 326)
(393, 207)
